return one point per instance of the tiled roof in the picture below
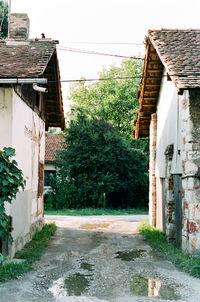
(179, 51)
(25, 59)
(53, 142)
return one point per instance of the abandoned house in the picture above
(26, 110)
(169, 113)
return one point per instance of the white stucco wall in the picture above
(22, 129)
(49, 167)
(168, 127)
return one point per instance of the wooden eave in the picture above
(149, 90)
(53, 104)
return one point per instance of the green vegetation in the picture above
(94, 211)
(30, 253)
(11, 180)
(181, 259)
(100, 165)
(3, 19)
(113, 101)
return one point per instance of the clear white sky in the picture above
(103, 21)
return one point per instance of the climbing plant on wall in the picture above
(11, 180)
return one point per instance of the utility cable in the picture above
(117, 78)
(103, 43)
(97, 53)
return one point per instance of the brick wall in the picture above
(18, 28)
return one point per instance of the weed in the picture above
(183, 260)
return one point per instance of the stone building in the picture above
(26, 109)
(169, 113)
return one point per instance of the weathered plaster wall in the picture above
(167, 162)
(5, 117)
(26, 134)
(49, 167)
(191, 164)
(168, 127)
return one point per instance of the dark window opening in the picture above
(48, 174)
(40, 179)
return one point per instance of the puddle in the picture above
(93, 226)
(141, 286)
(129, 255)
(87, 266)
(76, 284)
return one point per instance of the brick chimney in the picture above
(18, 28)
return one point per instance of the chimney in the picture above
(18, 28)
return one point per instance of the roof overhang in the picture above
(54, 113)
(149, 90)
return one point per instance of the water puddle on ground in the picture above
(141, 286)
(74, 285)
(87, 266)
(129, 255)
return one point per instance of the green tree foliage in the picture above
(114, 101)
(99, 169)
(11, 179)
(3, 19)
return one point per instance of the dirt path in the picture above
(94, 259)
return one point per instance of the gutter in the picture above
(24, 81)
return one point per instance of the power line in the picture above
(103, 43)
(97, 53)
(116, 78)
(124, 78)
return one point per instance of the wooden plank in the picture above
(177, 180)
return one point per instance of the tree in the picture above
(114, 101)
(11, 179)
(97, 169)
(3, 19)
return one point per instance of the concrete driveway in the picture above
(101, 258)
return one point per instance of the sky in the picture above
(78, 23)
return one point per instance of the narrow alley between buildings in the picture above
(100, 258)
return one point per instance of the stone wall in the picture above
(169, 196)
(190, 165)
(152, 168)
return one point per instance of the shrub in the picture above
(97, 168)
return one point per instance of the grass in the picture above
(181, 259)
(31, 252)
(94, 211)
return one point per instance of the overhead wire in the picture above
(91, 52)
(115, 78)
(102, 43)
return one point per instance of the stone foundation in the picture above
(20, 241)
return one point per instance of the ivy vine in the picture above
(11, 180)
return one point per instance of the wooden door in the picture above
(178, 208)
